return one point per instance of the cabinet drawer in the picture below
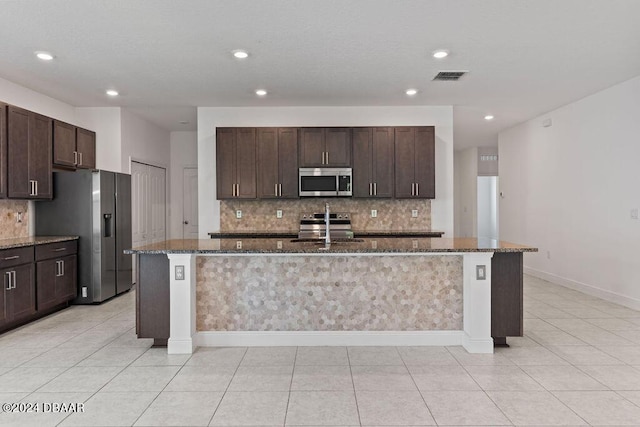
(16, 256)
(56, 250)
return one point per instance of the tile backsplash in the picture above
(9, 225)
(260, 215)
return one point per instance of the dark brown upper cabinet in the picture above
(373, 162)
(3, 150)
(277, 163)
(236, 163)
(29, 146)
(325, 147)
(86, 148)
(415, 162)
(73, 147)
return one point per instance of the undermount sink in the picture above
(334, 240)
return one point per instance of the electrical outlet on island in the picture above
(239, 214)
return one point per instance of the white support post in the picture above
(476, 295)
(182, 304)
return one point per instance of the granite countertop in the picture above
(252, 234)
(19, 242)
(284, 246)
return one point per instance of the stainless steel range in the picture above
(313, 225)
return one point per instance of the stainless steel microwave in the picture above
(325, 182)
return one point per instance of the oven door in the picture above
(318, 185)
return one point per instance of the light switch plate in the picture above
(279, 244)
(374, 244)
(374, 213)
(238, 214)
(279, 213)
(239, 244)
(481, 272)
(179, 272)
(414, 213)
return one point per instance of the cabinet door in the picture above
(18, 185)
(66, 282)
(40, 143)
(3, 155)
(288, 162)
(382, 167)
(338, 147)
(311, 147)
(425, 176)
(86, 147)
(267, 148)
(46, 283)
(22, 298)
(4, 315)
(246, 163)
(362, 160)
(64, 145)
(405, 165)
(225, 163)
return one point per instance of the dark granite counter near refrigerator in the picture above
(251, 234)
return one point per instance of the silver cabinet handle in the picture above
(323, 157)
(80, 159)
(370, 189)
(59, 249)
(275, 186)
(11, 257)
(32, 189)
(7, 276)
(280, 190)
(327, 157)
(60, 268)
(417, 189)
(36, 188)
(13, 275)
(413, 188)
(237, 190)
(375, 188)
(75, 157)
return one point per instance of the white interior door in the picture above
(190, 203)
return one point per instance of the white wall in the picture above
(28, 99)
(143, 141)
(466, 192)
(211, 117)
(569, 190)
(106, 123)
(184, 153)
(487, 207)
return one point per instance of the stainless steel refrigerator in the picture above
(95, 205)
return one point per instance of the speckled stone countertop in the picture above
(20, 242)
(293, 234)
(371, 245)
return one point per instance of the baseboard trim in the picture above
(180, 346)
(327, 338)
(583, 287)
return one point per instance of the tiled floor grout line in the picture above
(293, 372)
(224, 393)
(353, 384)
(404, 363)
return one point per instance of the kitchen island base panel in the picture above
(475, 335)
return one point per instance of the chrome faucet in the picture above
(327, 232)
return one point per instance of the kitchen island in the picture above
(364, 291)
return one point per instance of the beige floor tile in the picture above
(563, 378)
(617, 377)
(601, 407)
(502, 378)
(320, 356)
(374, 356)
(322, 408)
(472, 359)
(601, 338)
(251, 409)
(28, 379)
(584, 355)
(627, 354)
(429, 378)
(433, 356)
(178, 408)
(321, 378)
(613, 324)
(382, 408)
(382, 378)
(59, 358)
(534, 408)
(99, 410)
(113, 356)
(142, 378)
(556, 337)
(269, 356)
(464, 408)
(532, 356)
(14, 356)
(632, 396)
(159, 357)
(262, 378)
(81, 379)
(217, 356)
(202, 378)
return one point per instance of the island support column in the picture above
(477, 303)
(182, 303)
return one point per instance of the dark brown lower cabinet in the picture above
(19, 293)
(152, 298)
(57, 280)
(506, 296)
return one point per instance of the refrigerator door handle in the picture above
(108, 225)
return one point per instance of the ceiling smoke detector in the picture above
(449, 76)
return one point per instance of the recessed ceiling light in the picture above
(441, 53)
(240, 54)
(45, 56)
(411, 92)
(261, 92)
(488, 117)
(112, 92)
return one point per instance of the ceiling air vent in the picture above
(449, 76)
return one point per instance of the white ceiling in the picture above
(168, 56)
